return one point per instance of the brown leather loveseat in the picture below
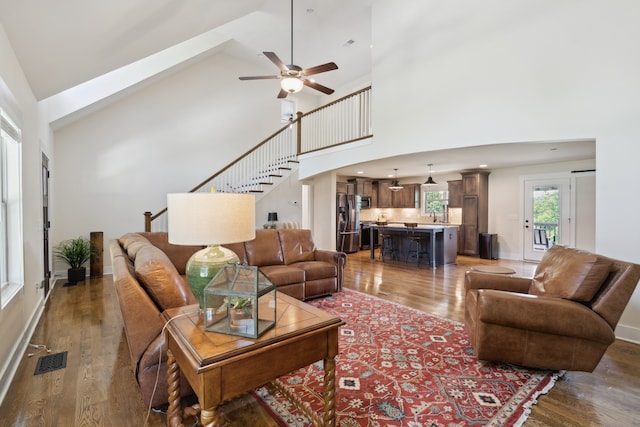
(562, 319)
(149, 277)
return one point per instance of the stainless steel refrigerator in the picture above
(347, 223)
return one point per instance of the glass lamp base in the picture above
(204, 265)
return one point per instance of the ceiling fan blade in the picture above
(283, 93)
(320, 69)
(258, 77)
(274, 58)
(318, 86)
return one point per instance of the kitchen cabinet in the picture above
(455, 193)
(384, 194)
(364, 187)
(475, 212)
(374, 194)
(408, 197)
(450, 245)
(341, 187)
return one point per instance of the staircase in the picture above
(270, 162)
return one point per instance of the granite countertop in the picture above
(423, 225)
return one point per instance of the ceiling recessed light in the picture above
(360, 172)
(390, 176)
(483, 166)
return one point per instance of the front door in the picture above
(547, 215)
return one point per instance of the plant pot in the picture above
(238, 315)
(76, 274)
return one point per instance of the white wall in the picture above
(467, 73)
(19, 317)
(121, 161)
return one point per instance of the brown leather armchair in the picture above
(562, 319)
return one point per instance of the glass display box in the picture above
(240, 300)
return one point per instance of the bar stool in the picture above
(415, 239)
(387, 245)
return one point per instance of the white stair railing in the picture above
(345, 120)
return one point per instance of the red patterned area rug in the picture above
(402, 367)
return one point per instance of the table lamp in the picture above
(272, 217)
(210, 219)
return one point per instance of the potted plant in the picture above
(240, 308)
(75, 252)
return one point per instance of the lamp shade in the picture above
(210, 218)
(291, 84)
(430, 181)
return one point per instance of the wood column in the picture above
(95, 263)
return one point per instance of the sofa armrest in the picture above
(541, 314)
(335, 257)
(477, 280)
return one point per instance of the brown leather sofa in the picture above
(563, 318)
(149, 277)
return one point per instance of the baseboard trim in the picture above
(628, 333)
(19, 350)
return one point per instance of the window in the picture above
(434, 202)
(11, 255)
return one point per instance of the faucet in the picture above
(433, 215)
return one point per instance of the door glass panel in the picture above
(545, 217)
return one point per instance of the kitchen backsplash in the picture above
(408, 215)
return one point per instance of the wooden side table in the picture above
(221, 367)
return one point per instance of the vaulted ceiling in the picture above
(63, 43)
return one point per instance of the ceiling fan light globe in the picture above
(291, 84)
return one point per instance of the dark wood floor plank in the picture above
(98, 387)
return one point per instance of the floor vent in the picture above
(51, 362)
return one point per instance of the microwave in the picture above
(365, 202)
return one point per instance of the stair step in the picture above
(265, 183)
(256, 191)
(284, 168)
(275, 176)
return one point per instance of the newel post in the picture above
(299, 133)
(147, 221)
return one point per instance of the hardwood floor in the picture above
(97, 388)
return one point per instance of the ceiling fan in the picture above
(292, 77)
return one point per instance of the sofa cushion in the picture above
(297, 245)
(134, 247)
(570, 273)
(161, 280)
(178, 254)
(264, 249)
(314, 270)
(132, 241)
(283, 274)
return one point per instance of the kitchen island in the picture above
(442, 240)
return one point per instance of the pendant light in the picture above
(430, 180)
(394, 184)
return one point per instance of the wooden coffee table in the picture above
(221, 367)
